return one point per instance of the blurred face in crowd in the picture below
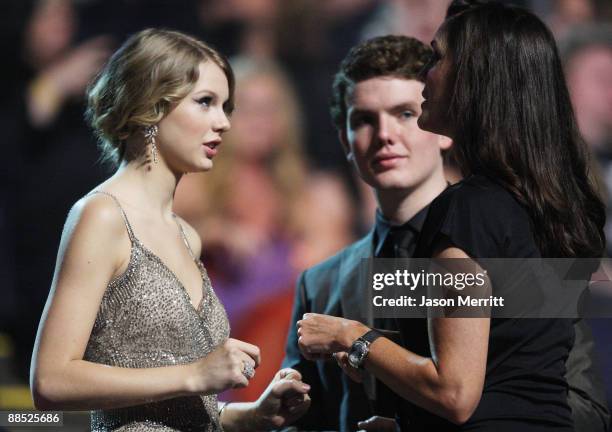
(384, 142)
(589, 77)
(189, 135)
(49, 31)
(259, 121)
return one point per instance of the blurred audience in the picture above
(562, 15)
(587, 57)
(587, 54)
(323, 221)
(419, 19)
(60, 70)
(55, 147)
(252, 25)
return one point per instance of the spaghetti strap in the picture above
(184, 236)
(125, 219)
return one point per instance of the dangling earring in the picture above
(150, 133)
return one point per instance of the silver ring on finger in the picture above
(248, 370)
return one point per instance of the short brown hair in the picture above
(393, 56)
(148, 75)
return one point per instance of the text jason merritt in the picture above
(401, 301)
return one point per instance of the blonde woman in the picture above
(132, 328)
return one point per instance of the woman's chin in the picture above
(200, 166)
(205, 164)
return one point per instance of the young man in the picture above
(375, 105)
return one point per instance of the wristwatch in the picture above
(361, 348)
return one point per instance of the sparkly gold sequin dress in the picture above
(146, 320)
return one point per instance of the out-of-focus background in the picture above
(281, 197)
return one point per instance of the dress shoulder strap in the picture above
(125, 219)
(184, 236)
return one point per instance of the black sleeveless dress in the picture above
(524, 388)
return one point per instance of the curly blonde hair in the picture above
(142, 81)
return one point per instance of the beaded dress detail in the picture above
(146, 320)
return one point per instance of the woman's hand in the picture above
(283, 402)
(321, 335)
(224, 368)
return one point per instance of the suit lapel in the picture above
(354, 294)
(353, 289)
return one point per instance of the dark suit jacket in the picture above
(333, 287)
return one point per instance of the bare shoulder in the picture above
(195, 242)
(94, 245)
(97, 214)
(95, 223)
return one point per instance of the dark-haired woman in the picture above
(132, 329)
(495, 85)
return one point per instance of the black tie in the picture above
(398, 243)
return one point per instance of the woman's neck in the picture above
(149, 186)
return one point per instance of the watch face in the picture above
(353, 359)
(357, 353)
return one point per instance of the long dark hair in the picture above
(514, 123)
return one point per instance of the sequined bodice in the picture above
(146, 320)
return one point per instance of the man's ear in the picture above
(444, 142)
(345, 145)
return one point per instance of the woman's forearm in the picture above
(83, 385)
(416, 379)
(450, 382)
